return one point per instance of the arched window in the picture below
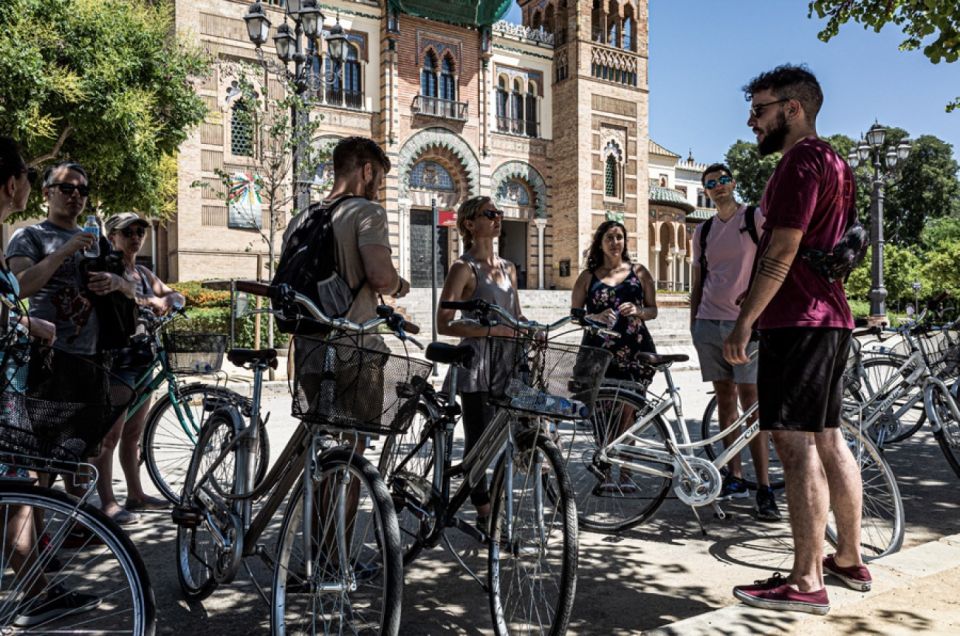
(430, 175)
(537, 21)
(531, 115)
(610, 178)
(560, 34)
(613, 23)
(352, 88)
(629, 25)
(448, 84)
(428, 75)
(241, 130)
(503, 116)
(596, 22)
(516, 108)
(513, 191)
(549, 19)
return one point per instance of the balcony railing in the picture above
(512, 126)
(436, 107)
(342, 98)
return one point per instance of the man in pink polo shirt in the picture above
(805, 329)
(721, 274)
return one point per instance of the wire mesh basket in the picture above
(194, 353)
(939, 348)
(338, 384)
(542, 377)
(67, 406)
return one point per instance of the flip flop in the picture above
(150, 503)
(125, 518)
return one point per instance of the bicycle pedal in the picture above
(186, 516)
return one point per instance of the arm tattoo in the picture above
(772, 268)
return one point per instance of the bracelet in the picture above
(399, 286)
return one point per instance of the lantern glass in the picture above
(310, 19)
(853, 159)
(892, 158)
(283, 40)
(876, 135)
(294, 7)
(258, 25)
(903, 150)
(335, 42)
(863, 150)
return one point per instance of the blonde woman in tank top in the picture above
(478, 273)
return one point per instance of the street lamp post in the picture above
(884, 160)
(300, 45)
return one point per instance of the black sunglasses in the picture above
(131, 232)
(492, 214)
(68, 188)
(757, 110)
(713, 183)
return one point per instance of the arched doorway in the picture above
(432, 179)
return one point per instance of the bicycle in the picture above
(65, 566)
(337, 566)
(656, 454)
(175, 420)
(531, 538)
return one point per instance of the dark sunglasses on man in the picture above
(492, 214)
(713, 183)
(130, 232)
(68, 188)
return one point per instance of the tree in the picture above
(926, 188)
(103, 83)
(942, 231)
(260, 105)
(750, 170)
(920, 20)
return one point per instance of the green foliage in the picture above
(941, 268)
(217, 320)
(103, 83)
(198, 296)
(940, 231)
(932, 24)
(927, 187)
(750, 170)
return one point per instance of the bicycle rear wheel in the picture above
(949, 434)
(532, 560)
(167, 444)
(882, 522)
(710, 426)
(612, 499)
(901, 419)
(356, 583)
(83, 575)
(199, 554)
(411, 485)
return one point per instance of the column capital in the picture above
(540, 223)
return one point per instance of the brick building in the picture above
(549, 117)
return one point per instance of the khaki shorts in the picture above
(708, 337)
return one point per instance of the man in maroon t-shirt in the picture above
(805, 326)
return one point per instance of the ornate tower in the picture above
(600, 111)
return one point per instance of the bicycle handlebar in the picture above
(479, 305)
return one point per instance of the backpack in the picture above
(839, 262)
(750, 220)
(308, 265)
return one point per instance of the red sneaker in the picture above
(856, 577)
(776, 594)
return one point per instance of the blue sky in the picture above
(702, 52)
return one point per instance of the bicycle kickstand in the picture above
(696, 515)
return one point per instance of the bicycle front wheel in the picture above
(75, 572)
(169, 438)
(949, 434)
(882, 521)
(346, 574)
(613, 498)
(901, 419)
(532, 561)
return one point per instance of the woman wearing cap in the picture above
(126, 233)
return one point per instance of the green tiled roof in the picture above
(667, 196)
(701, 214)
(461, 12)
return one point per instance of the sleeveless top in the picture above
(634, 337)
(478, 377)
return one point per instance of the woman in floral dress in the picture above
(622, 295)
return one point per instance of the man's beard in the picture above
(773, 141)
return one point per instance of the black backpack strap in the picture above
(704, 231)
(751, 224)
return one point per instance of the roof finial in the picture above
(690, 156)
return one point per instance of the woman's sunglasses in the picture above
(713, 183)
(492, 214)
(130, 232)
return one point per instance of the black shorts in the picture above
(800, 378)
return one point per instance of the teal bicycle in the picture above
(175, 420)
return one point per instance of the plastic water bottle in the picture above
(93, 228)
(529, 399)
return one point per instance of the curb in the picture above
(890, 573)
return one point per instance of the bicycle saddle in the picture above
(656, 360)
(444, 353)
(242, 357)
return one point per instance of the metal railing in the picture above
(342, 98)
(436, 107)
(513, 126)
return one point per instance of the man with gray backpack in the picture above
(724, 248)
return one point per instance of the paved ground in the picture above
(663, 575)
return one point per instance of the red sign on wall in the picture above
(447, 218)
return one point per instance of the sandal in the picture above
(149, 503)
(124, 517)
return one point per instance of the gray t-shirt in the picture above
(60, 300)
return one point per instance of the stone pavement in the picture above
(664, 575)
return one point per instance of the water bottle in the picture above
(93, 228)
(524, 397)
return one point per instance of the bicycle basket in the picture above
(945, 361)
(194, 353)
(68, 405)
(546, 378)
(340, 385)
